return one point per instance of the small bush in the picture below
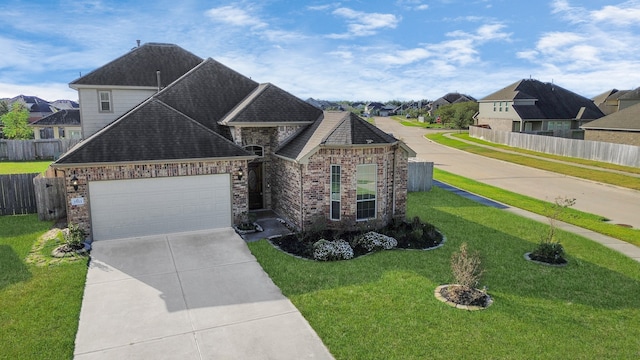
(466, 267)
(325, 250)
(550, 252)
(74, 237)
(373, 241)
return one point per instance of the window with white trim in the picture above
(335, 192)
(255, 149)
(366, 180)
(104, 101)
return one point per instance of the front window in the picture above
(104, 99)
(255, 150)
(335, 192)
(366, 191)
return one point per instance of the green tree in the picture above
(16, 123)
(4, 107)
(459, 115)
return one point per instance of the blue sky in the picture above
(335, 50)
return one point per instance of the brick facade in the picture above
(305, 194)
(617, 137)
(80, 214)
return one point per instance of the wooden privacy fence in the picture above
(420, 176)
(32, 193)
(17, 195)
(621, 154)
(25, 150)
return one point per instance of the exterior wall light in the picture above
(240, 173)
(74, 182)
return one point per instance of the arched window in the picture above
(255, 149)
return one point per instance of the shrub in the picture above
(550, 252)
(466, 267)
(74, 236)
(325, 250)
(372, 241)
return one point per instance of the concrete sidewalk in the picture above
(198, 295)
(620, 246)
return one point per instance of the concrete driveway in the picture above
(198, 295)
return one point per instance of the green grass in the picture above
(23, 167)
(382, 306)
(579, 172)
(40, 305)
(415, 123)
(571, 216)
(599, 164)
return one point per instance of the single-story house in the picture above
(620, 127)
(203, 150)
(62, 124)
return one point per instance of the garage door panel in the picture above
(128, 208)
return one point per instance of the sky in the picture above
(358, 50)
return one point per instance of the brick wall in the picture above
(80, 214)
(617, 137)
(316, 185)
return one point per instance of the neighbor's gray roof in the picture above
(63, 117)
(138, 67)
(631, 95)
(553, 101)
(268, 104)
(335, 128)
(152, 132)
(627, 119)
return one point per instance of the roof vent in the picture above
(369, 141)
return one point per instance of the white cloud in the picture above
(235, 16)
(362, 23)
(403, 57)
(627, 14)
(46, 91)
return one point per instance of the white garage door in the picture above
(128, 208)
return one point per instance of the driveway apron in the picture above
(199, 295)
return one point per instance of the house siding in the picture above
(312, 180)
(122, 101)
(502, 121)
(80, 214)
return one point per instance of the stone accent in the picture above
(80, 214)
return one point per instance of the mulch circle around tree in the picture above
(561, 262)
(469, 299)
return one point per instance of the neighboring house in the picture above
(531, 106)
(630, 98)
(213, 145)
(448, 99)
(38, 108)
(373, 108)
(62, 124)
(621, 127)
(325, 105)
(65, 104)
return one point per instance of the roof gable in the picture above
(138, 67)
(152, 132)
(268, 104)
(335, 128)
(207, 93)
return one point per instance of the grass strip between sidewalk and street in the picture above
(571, 216)
(604, 177)
(605, 165)
(382, 306)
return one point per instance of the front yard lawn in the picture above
(382, 306)
(40, 306)
(23, 167)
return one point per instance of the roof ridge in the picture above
(242, 105)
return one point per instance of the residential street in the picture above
(620, 206)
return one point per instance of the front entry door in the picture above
(255, 186)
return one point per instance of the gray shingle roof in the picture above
(152, 132)
(631, 95)
(627, 119)
(553, 101)
(335, 128)
(138, 67)
(268, 104)
(62, 117)
(207, 93)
